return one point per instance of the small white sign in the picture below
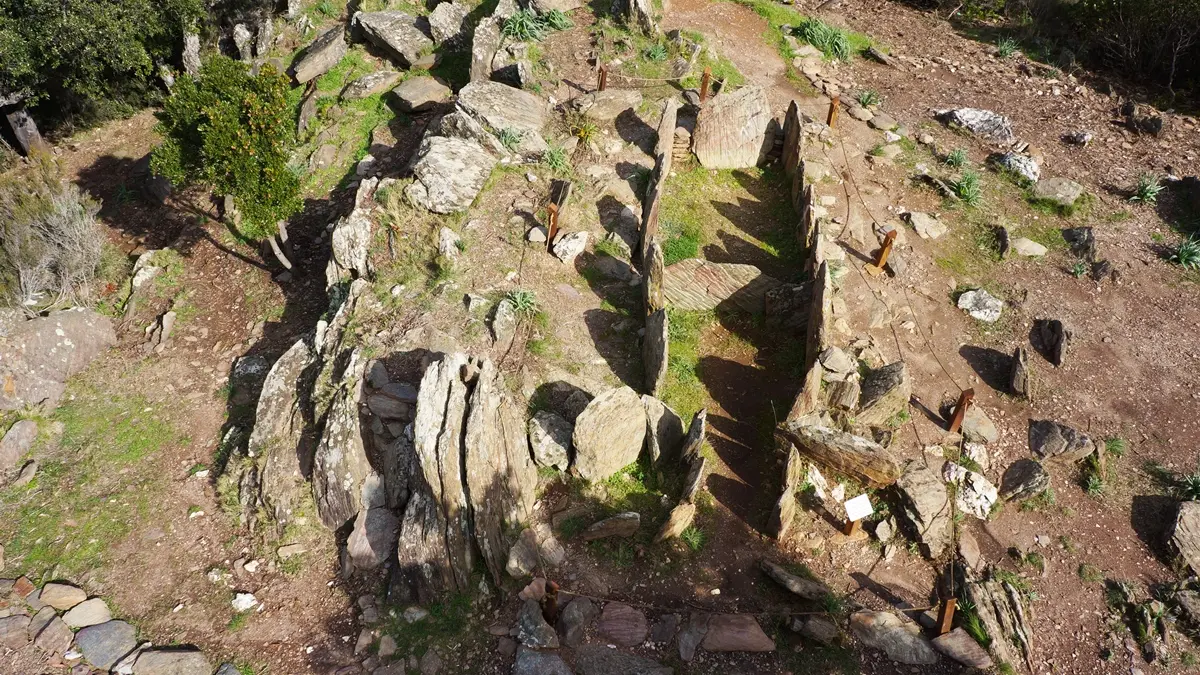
(859, 508)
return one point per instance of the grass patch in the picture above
(694, 537)
(1090, 574)
(449, 620)
(73, 512)
(1042, 502)
(682, 241)
(238, 621)
(683, 390)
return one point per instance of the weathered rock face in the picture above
(805, 588)
(448, 22)
(448, 173)
(568, 246)
(620, 525)
(500, 106)
(901, 640)
(784, 512)
(105, 644)
(1185, 535)
(852, 455)
(573, 621)
(340, 466)
(243, 39)
(485, 42)
(421, 93)
(1018, 378)
(981, 305)
(500, 475)
(883, 395)
(678, 520)
(975, 494)
(731, 130)
(24, 130)
(605, 106)
(37, 356)
(664, 429)
(960, 646)
(1061, 192)
(1053, 337)
(280, 422)
(1054, 442)
(323, 54)
(623, 625)
(532, 662)
(700, 285)
(654, 351)
(1002, 612)
(550, 439)
(690, 456)
(926, 507)
(736, 633)
(927, 226)
(17, 441)
(171, 661)
(982, 123)
(609, 434)
(191, 54)
(395, 32)
(459, 124)
(369, 84)
(1021, 165)
(532, 630)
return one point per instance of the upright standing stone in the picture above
(731, 130)
(191, 54)
(609, 434)
(654, 352)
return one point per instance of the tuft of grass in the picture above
(1090, 573)
(1187, 253)
(868, 98)
(510, 138)
(586, 132)
(1006, 47)
(1039, 503)
(238, 621)
(968, 188)
(970, 622)
(682, 241)
(556, 19)
(524, 302)
(1147, 189)
(957, 158)
(694, 537)
(1116, 446)
(1187, 487)
(1079, 269)
(556, 159)
(656, 52)
(524, 25)
(833, 42)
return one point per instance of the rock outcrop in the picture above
(857, 457)
(39, 355)
(448, 173)
(280, 422)
(1053, 442)
(926, 508)
(731, 130)
(609, 434)
(394, 32)
(321, 55)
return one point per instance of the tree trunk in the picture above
(279, 254)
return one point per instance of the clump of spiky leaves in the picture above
(556, 159)
(527, 24)
(524, 25)
(1187, 253)
(1006, 47)
(586, 132)
(957, 158)
(656, 52)
(1147, 189)
(556, 19)
(693, 537)
(510, 138)
(524, 302)
(868, 98)
(968, 188)
(832, 42)
(1187, 487)
(1079, 269)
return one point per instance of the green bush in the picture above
(233, 132)
(50, 243)
(88, 59)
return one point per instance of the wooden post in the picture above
(551, 225)
(877, 268)
(964, 401)
(705, 81)
(834, 106)
(603, 77)
(851, 527)
(946, 616)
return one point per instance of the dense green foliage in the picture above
(233, 132)
(89, 58)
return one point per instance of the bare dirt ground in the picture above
(1131, 371)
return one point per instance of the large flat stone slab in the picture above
(701, 285)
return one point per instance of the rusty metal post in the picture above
(835, 105)
(705, 81)
(550, 603)
(851, 527)
(964, 402)
(877, 268)
(551, 225)
(946, 616)
(603, 77)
